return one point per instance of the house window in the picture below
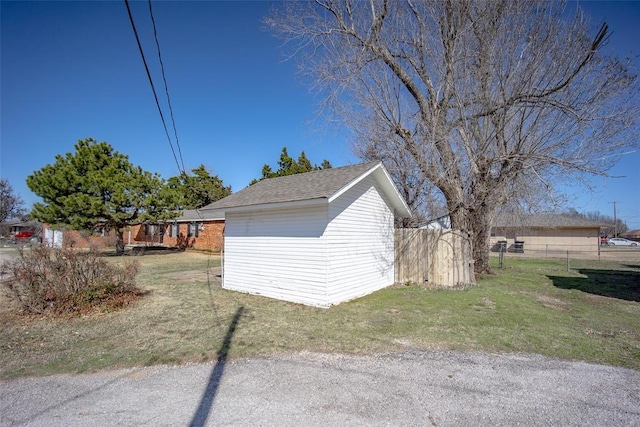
(161, 233)
(193, 229)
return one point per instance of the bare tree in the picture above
(11, 205)
(421, 198)
(609, 225)
(484, 98)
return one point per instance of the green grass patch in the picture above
(590, 313)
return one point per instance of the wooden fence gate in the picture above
(436, 257)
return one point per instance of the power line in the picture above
(166, 88)
(153, 88)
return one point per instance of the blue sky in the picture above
(71, 70)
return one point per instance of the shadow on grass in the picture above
(206, 401)
(608, 283)
(142, 250)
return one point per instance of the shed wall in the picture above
(360, 239)
(278, 253)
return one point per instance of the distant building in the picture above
(632, 235)
(545, 232)
(192, 229)
(442, 222)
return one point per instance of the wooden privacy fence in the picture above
(434, 257)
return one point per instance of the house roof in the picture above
(188, 215)
(546, 220)
(441, 222)
(320, 186)
(18, 223)
(632, 233)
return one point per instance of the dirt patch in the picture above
(488, 302)
(551, 302)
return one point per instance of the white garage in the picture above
(318, 238)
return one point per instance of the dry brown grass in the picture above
(527, 307)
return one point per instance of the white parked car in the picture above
(619, 241)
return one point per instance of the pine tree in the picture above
(97, 187)
(288, 166)
(304, 165)
(325, 164)
(197, 189)
(286, 163)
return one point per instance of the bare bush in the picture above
(64, 281)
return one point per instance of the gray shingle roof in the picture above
(632, 233)
(196, 215)
(545, 220)
(305, 186)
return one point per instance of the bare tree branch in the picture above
(481, 100)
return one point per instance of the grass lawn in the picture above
(590, 313)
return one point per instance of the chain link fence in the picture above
(573, 254)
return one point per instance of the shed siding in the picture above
(277, 253)
(360, 243)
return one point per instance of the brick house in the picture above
(192, 229)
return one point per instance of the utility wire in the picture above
(135, 32)
(166, 88)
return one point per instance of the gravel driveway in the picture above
(411, 389)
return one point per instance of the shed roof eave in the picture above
(382, 177)
(274, 206)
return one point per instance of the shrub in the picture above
(64, 281)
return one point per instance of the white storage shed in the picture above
(318, 238)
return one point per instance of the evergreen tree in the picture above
(196, 190)
(304, 165)
(97, 187)
(288, 166)
(325, 164)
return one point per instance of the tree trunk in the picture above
(480, 233)
(460, 221)
(477, 224)
(119, 242)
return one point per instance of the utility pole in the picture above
(615, 220)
